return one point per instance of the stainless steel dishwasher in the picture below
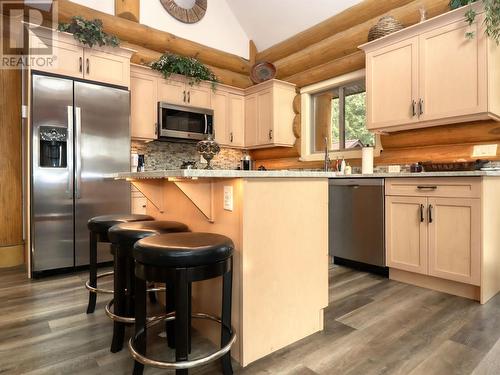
(356, 220)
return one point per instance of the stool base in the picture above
(184, 365)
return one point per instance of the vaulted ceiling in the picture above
(268, 22)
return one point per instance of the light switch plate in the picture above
(484, 150)
(228, 198)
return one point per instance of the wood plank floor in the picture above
(372, 326)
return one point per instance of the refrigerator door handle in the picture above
(69, 152)
(78, 153)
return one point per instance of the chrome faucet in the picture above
(327, 156)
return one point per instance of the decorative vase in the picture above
(208, 149)
(385, 26)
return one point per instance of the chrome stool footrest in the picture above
(129, 320)
(100, 290)
(184, 364)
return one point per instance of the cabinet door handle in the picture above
(421, 106)
(87, 62)
(271, 134)
(231, 137)
(81, 65)
(414, 107)
(430, 213)
(184, 92)
(421, 213)
(189, 96)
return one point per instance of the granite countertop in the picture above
(219, 173)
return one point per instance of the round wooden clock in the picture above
(187, 11)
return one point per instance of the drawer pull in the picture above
(421, 213)
(430, 213)
(427, 187)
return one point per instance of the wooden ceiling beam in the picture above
(144, 56)
(337, 67)
(346, 19)
(347, 42)
(154, 39)
(128, 9)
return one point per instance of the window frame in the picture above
(307, 117)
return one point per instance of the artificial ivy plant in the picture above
(491, 20)
(189, 67)
(89, 32)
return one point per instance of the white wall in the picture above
(106, 6)
(218, 29)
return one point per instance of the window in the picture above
(339, 118)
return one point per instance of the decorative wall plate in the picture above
(191, 15)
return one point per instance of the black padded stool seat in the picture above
(125, 235)
(101, 224)
(183, 249)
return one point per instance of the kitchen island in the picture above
(278, 221)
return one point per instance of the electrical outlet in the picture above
(228, 198)
(480, 151)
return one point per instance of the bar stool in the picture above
(98, 228)
(123, 237)
(180, 259)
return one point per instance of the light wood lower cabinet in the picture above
(443, 233)
(138, 202)
(455, 239)
(406, 233)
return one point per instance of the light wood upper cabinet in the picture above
(455, 239)
(406, 233)
(68, 54)
(229, 117)
(199, 95)
(269, 114)
(430, 74)
(392, 89)
(453, 72)
(143, 103)
(176, 90)
(172, 91)
(106, 67)
(101, 64)
(236, 120)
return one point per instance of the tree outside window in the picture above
(340, 117)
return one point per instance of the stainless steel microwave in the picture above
(177, 121)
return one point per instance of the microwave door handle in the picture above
(206, 124)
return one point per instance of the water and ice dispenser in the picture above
(53, 147)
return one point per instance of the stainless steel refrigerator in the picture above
(80, 134)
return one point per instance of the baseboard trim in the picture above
(11, 256)
(435, 283)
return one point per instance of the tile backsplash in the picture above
(170, 155)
